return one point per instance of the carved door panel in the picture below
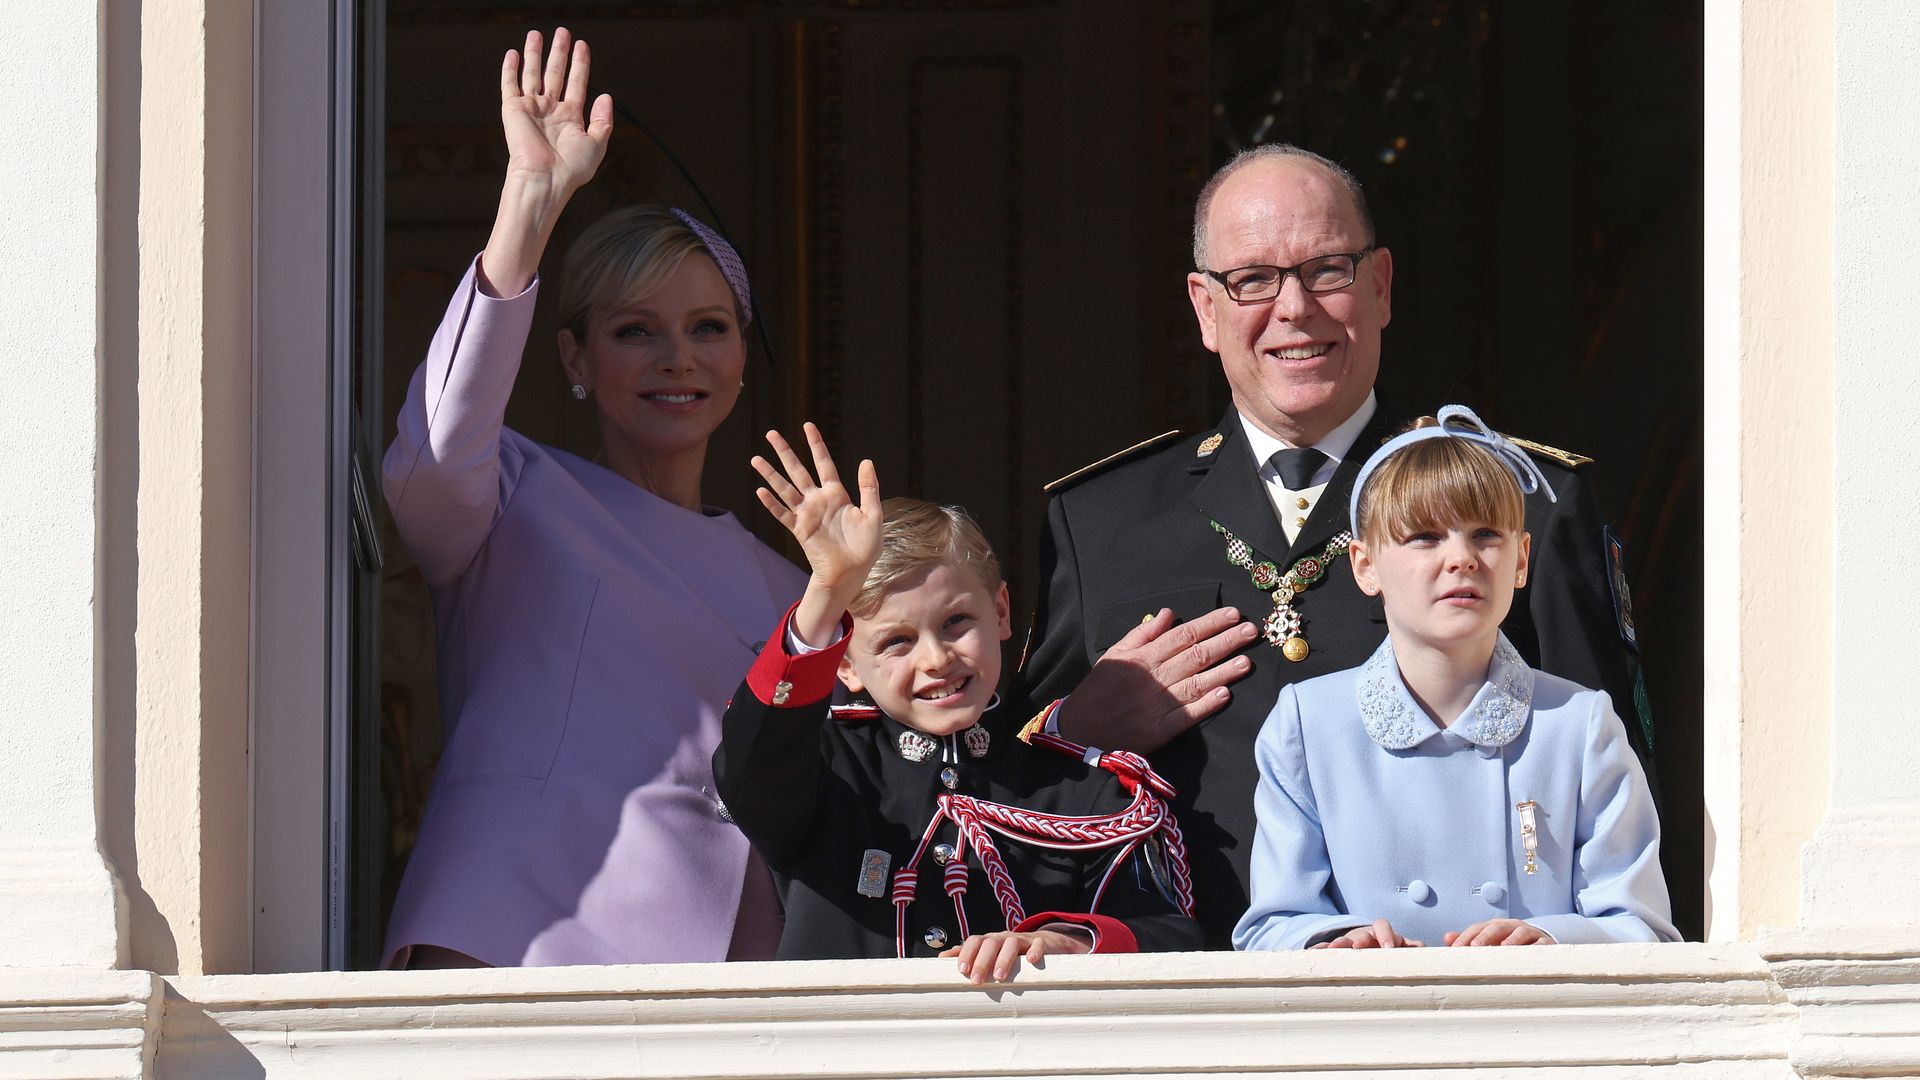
(996, 288)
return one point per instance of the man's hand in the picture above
(996, 956)
(1158, 681)
(1499, 932)
(1381, 935)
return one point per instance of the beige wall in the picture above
(1769, 470)
(191, 821)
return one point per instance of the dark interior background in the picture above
(968, 224)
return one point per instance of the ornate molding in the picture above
(829, 214)
(1804, 1004)
(1856, 996)
(1013, 272)
(79, 1023)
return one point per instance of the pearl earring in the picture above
(579, 392)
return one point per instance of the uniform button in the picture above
(935, 937)
(780, 691)
(1419, 891)
(1493, 893)
(1301, 502)
(1299, 523)
(943, 853)
(950, 776)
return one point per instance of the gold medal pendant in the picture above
(1282, 628)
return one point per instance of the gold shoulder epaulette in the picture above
(1111, 459)
(1552, 453)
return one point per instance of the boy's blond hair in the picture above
(1434, 483)
(918, 535)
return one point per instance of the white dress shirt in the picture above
(1290, 506)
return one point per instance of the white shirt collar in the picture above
(1337, 444)
(1495, 717)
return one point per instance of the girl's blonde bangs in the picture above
(1436, 483)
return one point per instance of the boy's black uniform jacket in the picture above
(1134, 537)
(813, 794)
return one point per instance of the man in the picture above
(1292, 291)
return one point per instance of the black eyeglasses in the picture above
(1320, 274)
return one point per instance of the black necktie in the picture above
(1297, 466)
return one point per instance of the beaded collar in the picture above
(1495, 717)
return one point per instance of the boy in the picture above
(924, 818)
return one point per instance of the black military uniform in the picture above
(1134, 536)
(816, 795)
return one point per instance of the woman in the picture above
(592, 618)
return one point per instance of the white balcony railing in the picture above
(1814, 1004)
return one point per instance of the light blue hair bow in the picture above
(1456, 422)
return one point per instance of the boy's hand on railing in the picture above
(996, 957)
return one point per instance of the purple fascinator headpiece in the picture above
(731, 268)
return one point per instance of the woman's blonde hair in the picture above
(918, 535)
(1433, 483)
(630, 252)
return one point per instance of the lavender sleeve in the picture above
(444, 476)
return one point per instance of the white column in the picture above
(59, 901)
(1863, 863)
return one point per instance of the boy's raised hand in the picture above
(840, 537)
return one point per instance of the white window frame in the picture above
(302, 340)
(304, 187)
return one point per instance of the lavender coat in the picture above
(589, 635)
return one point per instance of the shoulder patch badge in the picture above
(1085, 471)
(853, 714)
(1565, 458)
(1617, 578)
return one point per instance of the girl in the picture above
(876, 825)
(1444, 792)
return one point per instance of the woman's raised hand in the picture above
(551, 138)
(554, 145)
(841, 538)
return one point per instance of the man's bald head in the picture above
(1272, 153)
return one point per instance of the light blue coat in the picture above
(1369, 810)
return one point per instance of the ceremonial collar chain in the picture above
(1282, 628)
